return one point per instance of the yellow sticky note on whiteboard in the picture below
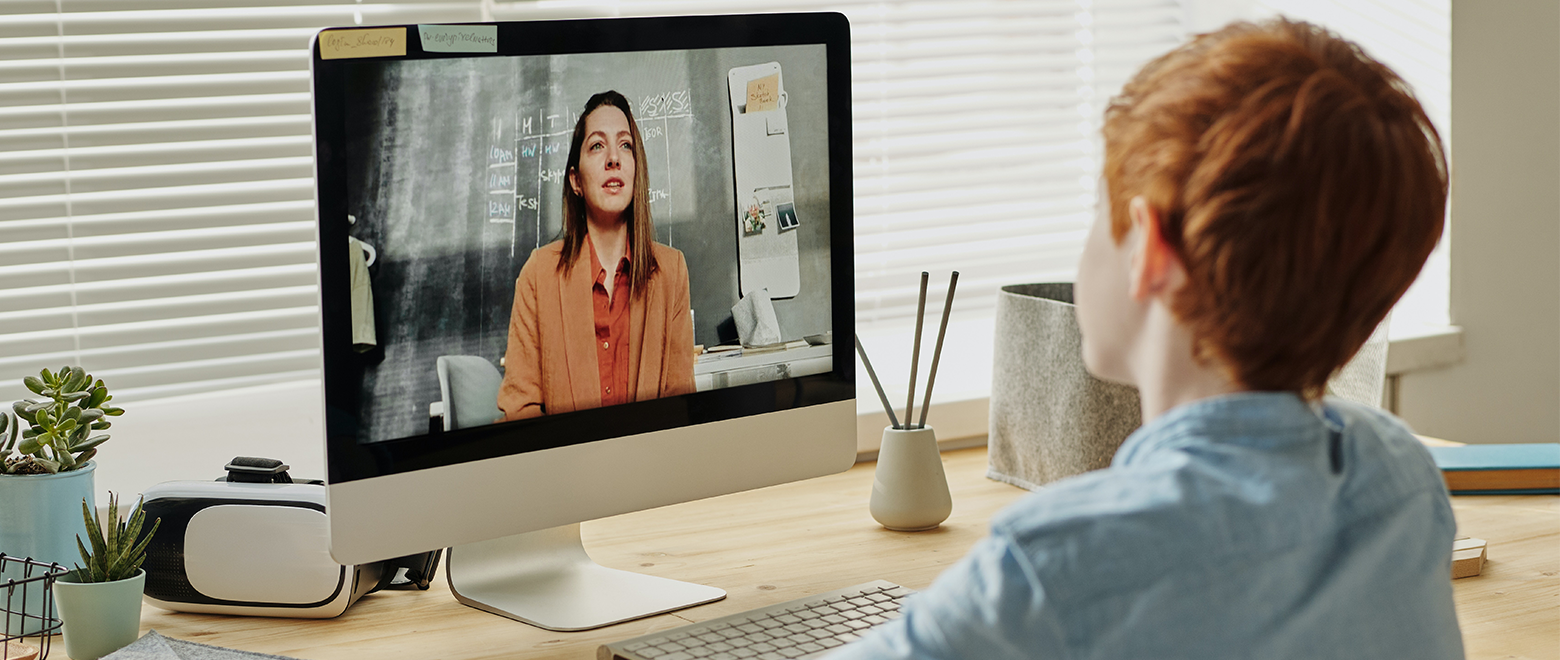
(370, 42)
(763, 93)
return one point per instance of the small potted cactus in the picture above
(100, 602)
(46, 448)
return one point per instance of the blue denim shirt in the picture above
(1252, 525)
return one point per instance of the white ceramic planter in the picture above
(99, 617)
(909, 487)
(40, 515)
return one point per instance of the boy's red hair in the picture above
(1298, 180)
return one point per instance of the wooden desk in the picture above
(789, 541)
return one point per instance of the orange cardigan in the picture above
(550, 365)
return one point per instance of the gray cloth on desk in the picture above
(153, 646)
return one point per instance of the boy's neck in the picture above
(1164, 370)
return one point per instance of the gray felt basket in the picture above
(1049, 418)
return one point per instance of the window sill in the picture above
(965, 423)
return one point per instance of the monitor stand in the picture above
(544, 578)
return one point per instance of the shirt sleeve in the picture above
(988, 605)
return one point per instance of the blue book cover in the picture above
(1532, 468)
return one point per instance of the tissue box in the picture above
(1050, 419)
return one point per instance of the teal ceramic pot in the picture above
(40, 516)
(100, 617)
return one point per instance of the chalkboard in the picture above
(456, 173)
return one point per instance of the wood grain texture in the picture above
(785, 542)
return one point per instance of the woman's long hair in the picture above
(641, 230)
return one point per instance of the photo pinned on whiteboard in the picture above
(753, 217)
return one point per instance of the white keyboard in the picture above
(802, 628)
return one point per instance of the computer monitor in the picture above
(470, 215)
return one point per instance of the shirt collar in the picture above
(595, 263)
(1252, 418)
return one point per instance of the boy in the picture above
(1272, 193)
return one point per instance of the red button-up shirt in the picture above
(611, 328)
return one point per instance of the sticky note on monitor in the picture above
(368, 42)
(763, 93)
(458, 38)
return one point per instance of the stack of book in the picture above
(1515, 469)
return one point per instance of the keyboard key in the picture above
(898, 592)
(769, 623)
(798, 628)
(763, 647)
(698, 631)
(711, 638)
(781, 642)
(635, 646)
(677, 656)
(744, 653)
(871, 609)
(723, 656)
(838, 629)
(679, 635)
(858, 624)
(830, 643)
(720, 646)
(651, 652)
(787, 619)
(809, 648)
(772, 655)
(657, 641)
(854, 614)
(848, 637)
(820, 634)
(761, 637)
(858, 602)
(701, 652)
(875, 620)
(834, 618)
(792, 652)
(750, 628)
(806, 614)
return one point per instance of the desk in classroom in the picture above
(793, 540)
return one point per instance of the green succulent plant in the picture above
(118, 556)
(58, 436)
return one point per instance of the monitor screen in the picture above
(637, 225)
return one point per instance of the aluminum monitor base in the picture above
(544, 578)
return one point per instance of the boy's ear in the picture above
(1156, 269)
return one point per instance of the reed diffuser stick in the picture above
(942, 331)
(882, 396)
(915, 351)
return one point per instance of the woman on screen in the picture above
(600, 317)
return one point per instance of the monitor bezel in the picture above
(348, 459)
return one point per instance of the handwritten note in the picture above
(371, 42)
(763, 93)
(459, 38)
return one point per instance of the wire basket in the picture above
(21, 594)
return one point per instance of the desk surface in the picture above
(788, 541)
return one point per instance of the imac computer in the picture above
(573, 269)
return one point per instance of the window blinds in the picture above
(156, 188)
(156, 201)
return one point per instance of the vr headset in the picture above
(257, 543)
